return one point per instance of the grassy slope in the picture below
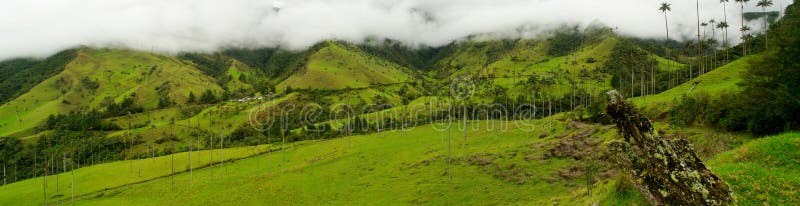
(119, 73)
(764, 171)
(364, 169)
(565, 68)
(110, 175)
(236, 70)
(722, 79)
(495, 168)
(226, 118)
(355, 170)
(337, 67)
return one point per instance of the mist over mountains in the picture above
(40, 28)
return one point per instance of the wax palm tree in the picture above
(742, 29)
(713, 22)
(725, 19)
(666, 7)
(724, 25)
(699, 41)
(745, 37)
(713, 41)
(764, 4)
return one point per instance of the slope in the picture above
(338, 66)
(508, 167)
(17, 76)
(722, 79)
(764, 171)
(99, 77)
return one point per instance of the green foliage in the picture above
(212, 65)
(127, 106)
(10, 149)
(273, 62)
(689, 110)
(75, 121)
(164, 102)
(191, 99)
(88, 83)
(17, 76)
(770, 101)
(394, 51)
(564, 41)
(208, 97)
(772, 15)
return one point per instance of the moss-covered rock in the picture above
(666, 172)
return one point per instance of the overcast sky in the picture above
(39, 28)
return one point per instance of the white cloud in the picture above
(42, 27)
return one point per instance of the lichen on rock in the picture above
(666, 172)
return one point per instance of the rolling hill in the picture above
(96, 78)
(336, 66)
(723, 79)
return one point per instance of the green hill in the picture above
(723, 79)
(763, 171)
(96, 78)
(17, 76)
(336, 66)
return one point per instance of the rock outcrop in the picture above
(666, 172)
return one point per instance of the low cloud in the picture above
(37, 28)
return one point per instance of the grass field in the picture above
(505, 167)
(93, 179)
(764, 171)
(509, 167)
(494, 167)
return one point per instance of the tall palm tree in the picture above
(712, 23)
(666, 7)
(724, 25)
(764, 4)
(745, 37)
(699, 41)
(713, 41)
(725, 20)
(742, 29)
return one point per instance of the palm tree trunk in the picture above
(744, 44)
(725, 39)
(633, 76)
(766, 28)
(699, 41)
(464, 116)
(666, 25)
(653, 77)
(714, 37)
